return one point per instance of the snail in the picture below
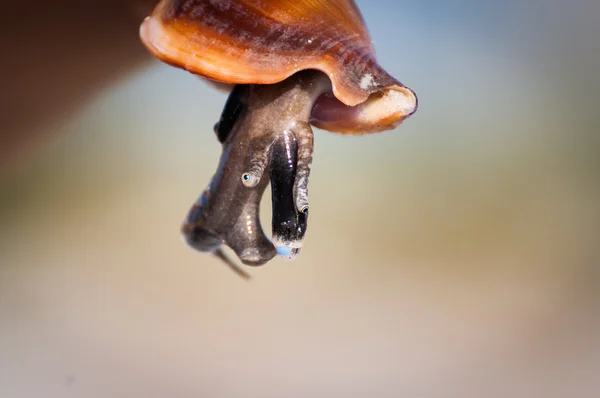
(293, 64)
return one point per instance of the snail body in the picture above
(293, 64)
(258, 150)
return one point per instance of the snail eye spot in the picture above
(246, 177)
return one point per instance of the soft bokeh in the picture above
(457, 256)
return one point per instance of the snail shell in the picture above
(267, 41)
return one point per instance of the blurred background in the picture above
(469, 267)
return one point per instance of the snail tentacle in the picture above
(304, 135)
(259, 159)
(220, 254)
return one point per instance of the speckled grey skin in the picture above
(266, 137)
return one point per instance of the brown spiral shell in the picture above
(266, 41)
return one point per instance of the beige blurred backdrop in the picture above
(457, 256)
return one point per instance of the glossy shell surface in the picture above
(266, 41)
